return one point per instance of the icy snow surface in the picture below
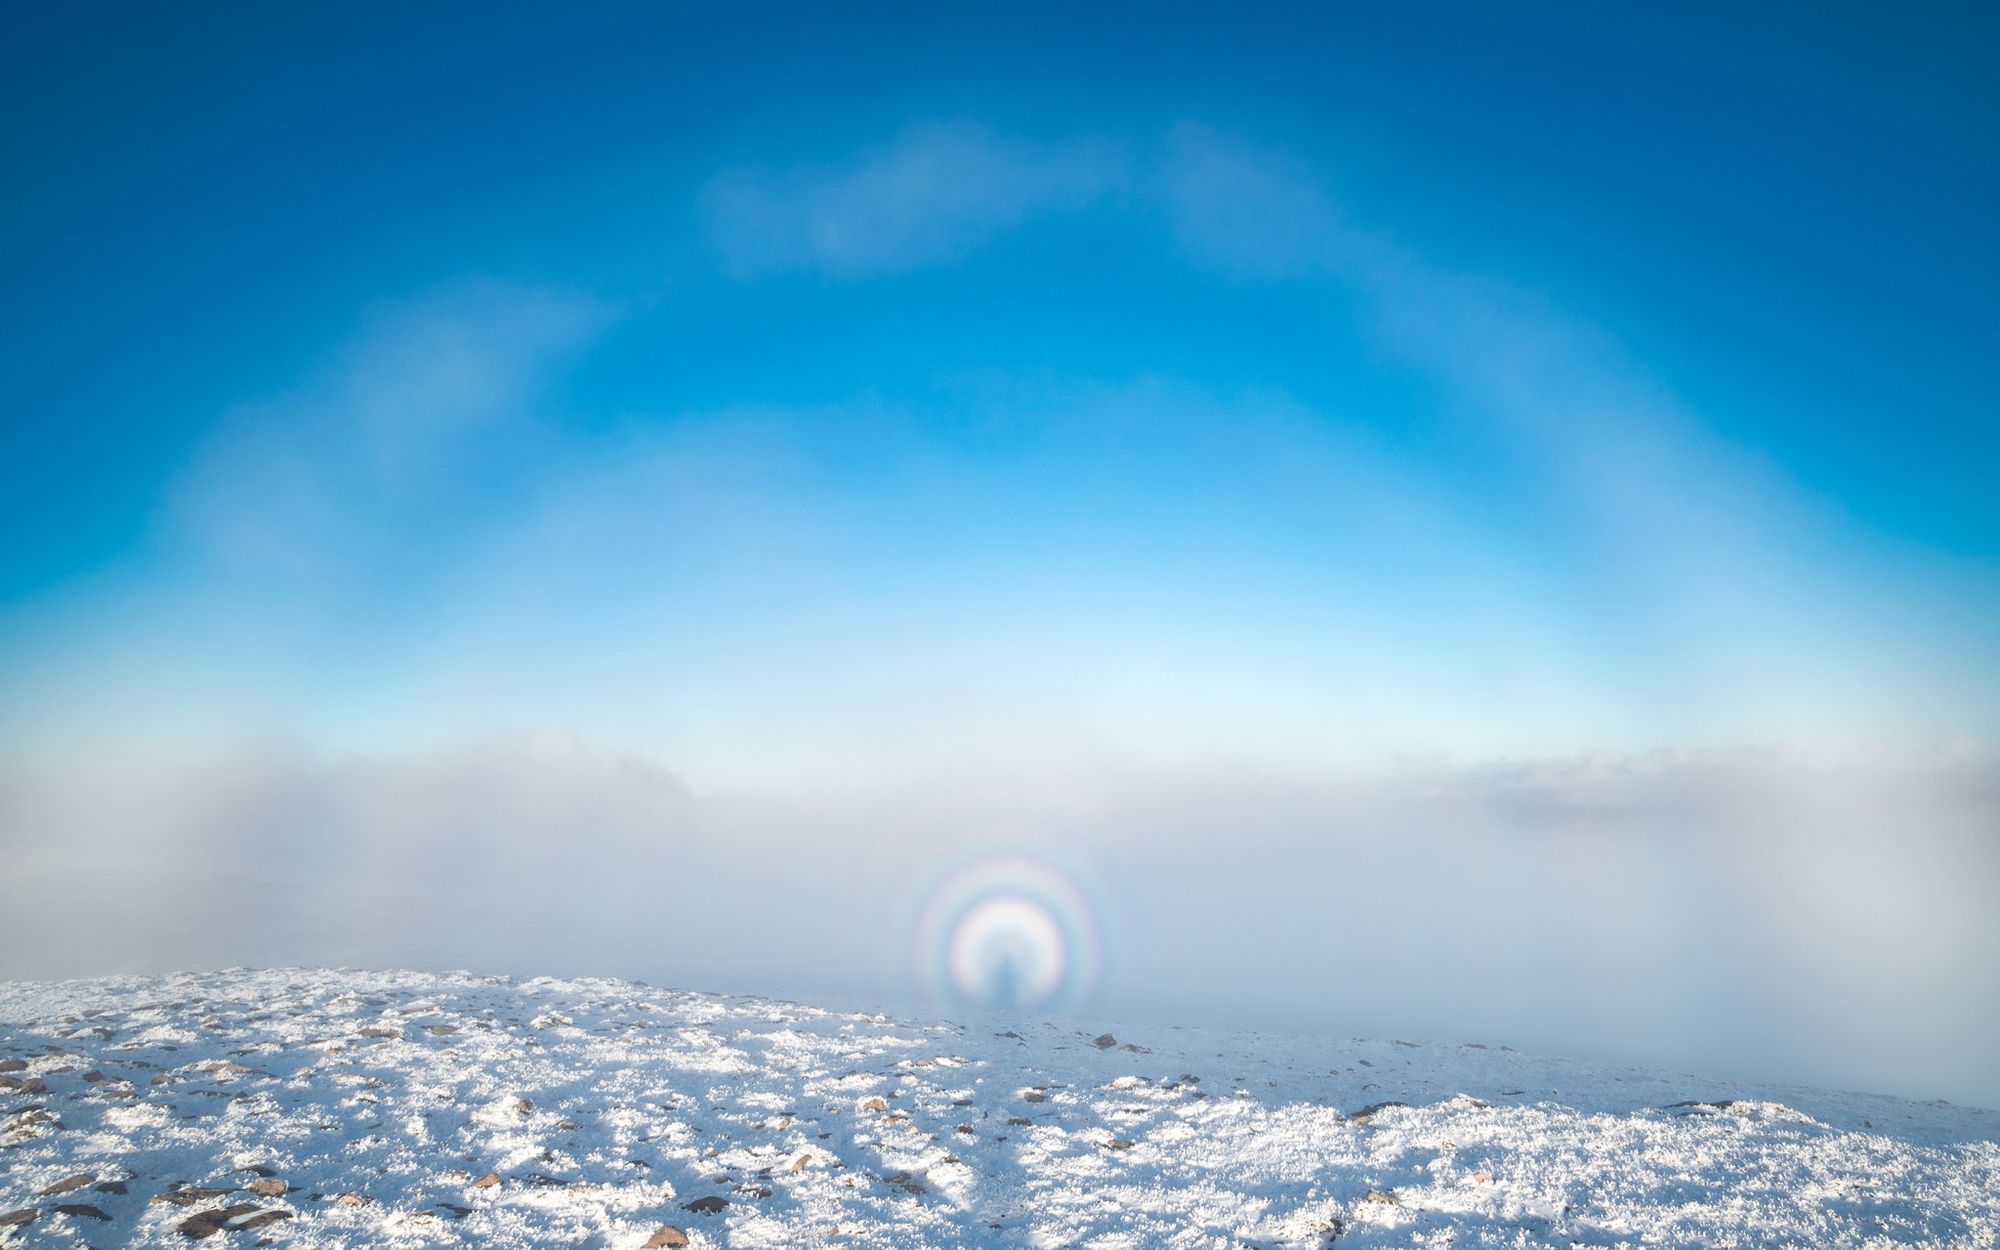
(366, 1108)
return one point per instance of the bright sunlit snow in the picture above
(337, 1109)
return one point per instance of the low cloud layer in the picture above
(1817, 921)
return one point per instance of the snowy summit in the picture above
(310, 1108)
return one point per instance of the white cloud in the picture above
(931, 195)
(412, 420)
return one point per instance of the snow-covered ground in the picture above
(350, 1109)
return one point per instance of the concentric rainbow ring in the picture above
(1008, 932)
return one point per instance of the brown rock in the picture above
(1385, 1195)
(487, 1181)
(801, 1163)
(13, 1065)
(66, 1184)
(14, 1219)
(1034, 1095)
(1105, 1041)
(187, 1195)
(205, 1224)
(706, 1206)
(268, 1187)
(874, 1104)
(83, 1209)
(1117, 1143)
(667, 1235)
(353, 1200)
(261, 1219)
(379, 1031)
(24, 1085)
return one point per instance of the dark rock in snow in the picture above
(14, 1219)
(706, 1206)
(205, 1224)
(1105, 1041)
(66, 1184)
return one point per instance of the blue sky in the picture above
(1030, 407)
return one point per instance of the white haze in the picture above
(1760, 916)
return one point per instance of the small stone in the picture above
(261, 1219)
(1382, 1195)
(440, 1030)
(456, 1212)
(487, 1181)
(874, 1104)
(353, 1200)
(379, 1031)
(1117, 1143)
(1034, 1095)
(24, 1085)
(66, 1184)
(268, 1187)
(83, 1209)
(1483, 1177)
(109, 1187)
(522, 1106)
(1105, 1041)
(14, 1219)
(667, 1235)
(188, 1195)
(706, 1206)
(567, 1125)
(205, 1224)
(13, 1065)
